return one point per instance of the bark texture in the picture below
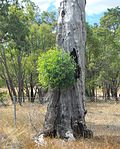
(65, 116)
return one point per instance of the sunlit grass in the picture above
(102, 118)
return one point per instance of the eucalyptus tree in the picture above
(65, 116)
(14, 40)
(92, 60)
(103, 68)
(4, 39)
(40, 39)
(110, 24)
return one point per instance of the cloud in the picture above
(43, 4)
(100, 6)
(92, 6)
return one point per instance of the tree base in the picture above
(68, 136)
(65, 117)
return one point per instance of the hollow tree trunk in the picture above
(66, 112)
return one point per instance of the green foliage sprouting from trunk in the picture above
(56, 69)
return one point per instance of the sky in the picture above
(94, 8)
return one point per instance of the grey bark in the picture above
(65, 116)
(19, 78)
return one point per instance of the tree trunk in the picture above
(115, 95)
(19, 78)
(114, 89)
(96, 95)
(93, 94)
(106, 90)
(66, 112)
(27, 90)
(8, 76)
(108, 93)
(9, 90)
(32, 88)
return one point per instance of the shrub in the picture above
(56, 69)
(3, 97)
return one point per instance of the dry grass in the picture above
(102, 118)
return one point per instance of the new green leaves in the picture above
(56, 69)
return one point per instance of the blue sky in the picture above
(94, 8)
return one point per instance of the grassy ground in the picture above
(102, 118)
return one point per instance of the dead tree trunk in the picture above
(65, 116)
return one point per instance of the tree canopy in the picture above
(26, 32)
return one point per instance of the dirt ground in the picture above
(103, 118)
